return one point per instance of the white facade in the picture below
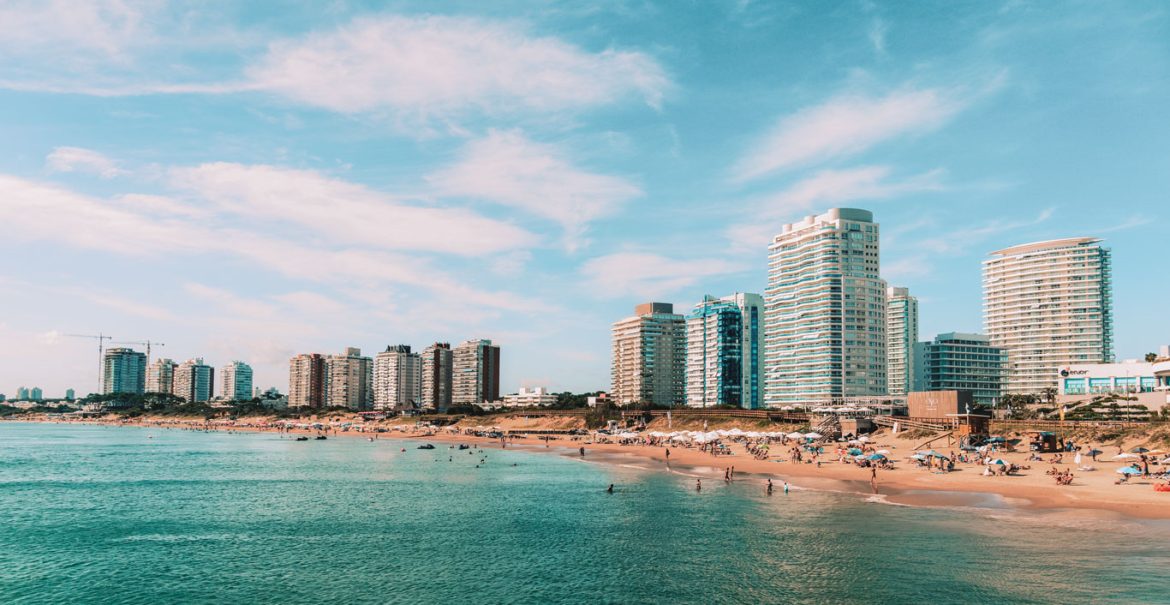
(160, 376)
(194, 381)
(534, 397)
(397, 378)
(901, 334)
(349, 380)
(725, 352)
(1048, 304)
(825, 311)
(236, 381)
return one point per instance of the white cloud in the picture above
(509, 169)
(648, 276)
(37, 212)
(435, 66)
(345, 212)
(843, 126)
(79, 31)
(78, 159)
(823, 190)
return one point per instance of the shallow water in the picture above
(108, 515)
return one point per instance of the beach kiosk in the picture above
(1041, 441)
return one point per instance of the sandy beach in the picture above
(906, 484)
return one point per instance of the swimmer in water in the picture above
(610, 490)
(698, 485)
(769, 487)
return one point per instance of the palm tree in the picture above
(1049, 394)
(1151, 357)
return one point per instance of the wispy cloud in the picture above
(79, 159)
(845, 125)
(647, 276)
(509, 169)
(346, 212)
(435, 65)
(825, 189)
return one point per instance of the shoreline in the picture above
(963, 487)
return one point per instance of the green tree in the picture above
(1151, 357)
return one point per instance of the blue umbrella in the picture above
(1129, 470)
(998, 461)
(875, 457)
(854, 451)
(1139, 450)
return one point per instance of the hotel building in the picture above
(397, 378)
(825, 311)
(123, 371)
(960, 362)
(534, 397)
(649, 356)
(436, 376)
(236, 381)
(475, 373)
(306, 381)
(1048, 304)
(349, 380)
(901, 336)
(725, 351)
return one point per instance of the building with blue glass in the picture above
(955, 361)
(725, 352)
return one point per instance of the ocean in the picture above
(144, 515)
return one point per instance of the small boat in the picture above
(426, 446)
(302, 438)
(462, 446)
(321, 437)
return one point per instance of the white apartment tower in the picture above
(1048, 304)
(825, 311)
(397, 378)
(901, 335)
(236, 381)
(160, 376)
(725, 351)
(349, 380)
(194, 381)
(649, 356)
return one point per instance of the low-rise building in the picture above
(536, 396)
(1143, 382)
(955, 361)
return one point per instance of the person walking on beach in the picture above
(769, 487)
(668, 455)
(786, 487)
(582, 452)
(698, 485)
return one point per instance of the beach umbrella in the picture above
(997, 461)
(854, 451)
(883, 451)
(1139, 450)
(918, 457)
(1129, 470)
(813, 435)
(876, 457)
(795, 435)
(1124, 456)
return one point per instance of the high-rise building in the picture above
(475, 373)
(306, 381)
(725, 351)
(349, 380)
(437, 376)
(1048, 304)
(650, 356)
(36, 394)
(70, 395)
(160, 376)
(21, 394)
(901, 335)
(194, 381)
(397, 378)
(825, 311)
(960, 362)
(123, 371)
(236, 381)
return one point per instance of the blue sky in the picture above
(253, 180)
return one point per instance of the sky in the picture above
(253, 180)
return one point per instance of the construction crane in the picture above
(145, 343)
(101, 338)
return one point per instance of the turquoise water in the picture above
(108, 515)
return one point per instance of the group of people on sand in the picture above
(1063, 477)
